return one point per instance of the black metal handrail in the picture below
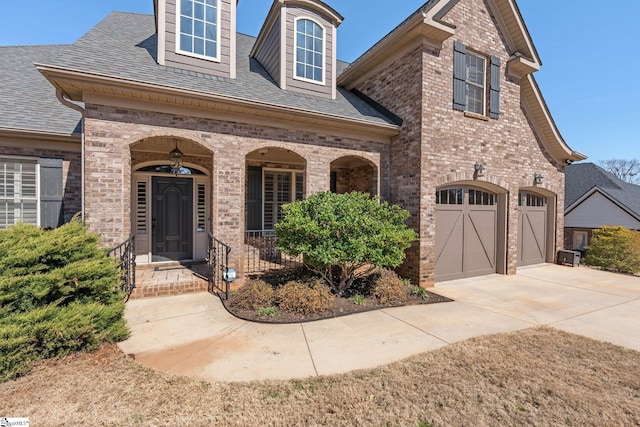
(262, 255)
(125, 256)
(218, 266)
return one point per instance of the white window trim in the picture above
(484, 84)
(37, 198)
(291, 172)
(218, 34)
(324, 50)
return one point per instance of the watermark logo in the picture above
(14, 422)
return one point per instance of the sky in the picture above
(588, 50)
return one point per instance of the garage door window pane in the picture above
(481, 198)
(451, 196)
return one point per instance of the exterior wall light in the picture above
(479, 169)
(537, 178)
(175, 157)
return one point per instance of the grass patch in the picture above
(539, 376)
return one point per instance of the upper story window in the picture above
(475, 83)
(475, 78)
(199, 28)
(309, 51)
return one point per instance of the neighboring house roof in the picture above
(584, 179)
(27, 100)
(131, 55)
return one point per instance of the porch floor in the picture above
(174, 278)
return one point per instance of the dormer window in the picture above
(309, 51)
(199, 28)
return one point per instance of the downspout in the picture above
(81, 110)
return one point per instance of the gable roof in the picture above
(427, 22)
(27, 100)
(583, 179)
(129, 57)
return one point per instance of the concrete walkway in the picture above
(194, 335)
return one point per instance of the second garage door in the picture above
(466, 232)
(532, 228)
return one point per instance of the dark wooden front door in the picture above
(172, 217)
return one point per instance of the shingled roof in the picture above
(27, 100)
(581, 178)
(109, 51)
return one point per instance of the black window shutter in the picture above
(494, 98)
(459, 76)
(254, 198)
(51, 193)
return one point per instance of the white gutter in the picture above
(81, 110)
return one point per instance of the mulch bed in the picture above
(340, 307)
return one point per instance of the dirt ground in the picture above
(539, 376)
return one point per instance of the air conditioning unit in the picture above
(571, 258)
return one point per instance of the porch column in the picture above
(107, 181)
(228, 211)
(318, 175)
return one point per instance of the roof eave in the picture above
(40, 135)
(74, 83)
(541, 115)
(417, 25)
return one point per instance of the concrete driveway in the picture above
(194, 335)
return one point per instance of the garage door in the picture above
(466, 225)
(532, 229)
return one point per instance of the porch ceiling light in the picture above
(479, 169)
(176, 159)
(537, 178)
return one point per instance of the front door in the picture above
(172, 218)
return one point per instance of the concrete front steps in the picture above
(169, 278)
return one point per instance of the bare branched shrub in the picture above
(390, 289)
(253, 295)
(304, 298)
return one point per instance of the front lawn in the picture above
(539, 376)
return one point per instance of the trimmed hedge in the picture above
(58, 294)
(614, 249)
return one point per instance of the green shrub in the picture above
(614, 249)
(268, 312)
(58, 294)
(304, 298)
(344, 236)
(390, 289)
(419, 291)
(358, 299)
(255, 294)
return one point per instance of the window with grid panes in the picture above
(18, 192)
(309, 51)
(199, 28)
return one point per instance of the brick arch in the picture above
(354, 173)
(274, 145)
(373, 160)
(545, 189)
(187, 136)
(159, 144)
(496, 184)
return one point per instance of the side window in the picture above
(18, 192)
(309, 51)
(199, 28)
(473, 79)
(580, 240)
